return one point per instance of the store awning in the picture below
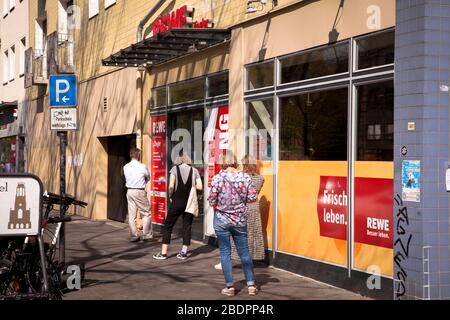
(167, 46)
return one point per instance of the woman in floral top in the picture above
(231, 190)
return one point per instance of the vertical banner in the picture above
(216, 142)
(158, 164)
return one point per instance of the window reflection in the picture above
(376, 121)
(187, 91)
(316, 63)
(313, 126)
(260, 75)
(260, 129)
(376, 50)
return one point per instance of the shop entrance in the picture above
(118, 155)
(186, 128)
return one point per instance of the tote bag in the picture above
(192, 203)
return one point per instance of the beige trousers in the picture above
(137, 200)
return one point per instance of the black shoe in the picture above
(160, 256)
(182, 255)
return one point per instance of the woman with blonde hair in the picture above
(254, 224)
(183, 176)
(231, 190)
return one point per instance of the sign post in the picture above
(63, 117)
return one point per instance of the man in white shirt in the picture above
(137, 176)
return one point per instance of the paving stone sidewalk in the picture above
(117, 269)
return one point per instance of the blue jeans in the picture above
(239, 234)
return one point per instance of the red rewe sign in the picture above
(180, 18)
(373, 210)
(158, 174)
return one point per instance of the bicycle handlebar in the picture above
(52, 198)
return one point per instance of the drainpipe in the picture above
(141, 25)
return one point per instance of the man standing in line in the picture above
(137, 176)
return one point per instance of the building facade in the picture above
(13, 42)
(353, 151)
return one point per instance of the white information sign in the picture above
(20, 205)
(63, 119)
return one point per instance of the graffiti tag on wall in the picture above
(401, 248)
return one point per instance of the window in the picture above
(218, 84)
(260, 75)
(313, 126)
(93, 8)
(260, 129)
(376, 121)
(187, 91)
(12, 63)
(159, 97)
(5, 67)
(316, 63)
(375, 50)
(109, 3)
(22, 57)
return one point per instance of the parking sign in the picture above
(63, 91)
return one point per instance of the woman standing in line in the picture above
(254, 224)
(231, 190)
(183, 177)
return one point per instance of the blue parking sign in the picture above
(63, 91)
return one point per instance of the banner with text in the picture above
(158, 165)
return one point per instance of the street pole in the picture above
(62, 165)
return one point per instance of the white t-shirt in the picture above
(136, 175)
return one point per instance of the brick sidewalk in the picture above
(118, 269)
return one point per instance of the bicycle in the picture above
(21, 272)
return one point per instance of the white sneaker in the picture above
(218, 266)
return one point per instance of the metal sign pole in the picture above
(62, 158)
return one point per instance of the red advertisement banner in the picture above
(158, 164)
(219, 143)
(373, 210)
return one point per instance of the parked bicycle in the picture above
(21, 272)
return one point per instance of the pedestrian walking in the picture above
(137, 176)
(184, 182)
(255, 234)
(231, 190)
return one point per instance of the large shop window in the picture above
(218, 84)
(375, 50)
(376, 121)
(315, 63)
(187, 91)
(260, 129)
(260, 75)
(313, 126)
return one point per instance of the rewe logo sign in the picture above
(373, 209)
(180, 18)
